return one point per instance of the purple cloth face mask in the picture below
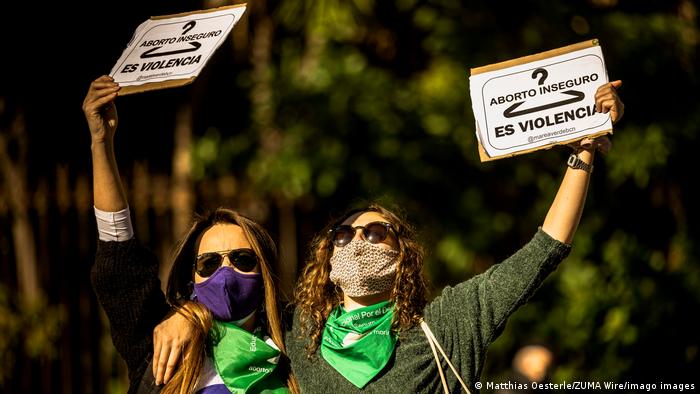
(230, 295)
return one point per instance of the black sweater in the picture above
(125, 279)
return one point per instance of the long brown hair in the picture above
(180, 285)
(316, 295)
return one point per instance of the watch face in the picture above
(575, 162)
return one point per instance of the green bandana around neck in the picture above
(244, 361)
(359, 343)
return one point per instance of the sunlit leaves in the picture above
(638, 153)
(33, 329)
(453, 251)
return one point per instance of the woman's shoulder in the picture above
(116, 249)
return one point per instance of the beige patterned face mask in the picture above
(361, 268)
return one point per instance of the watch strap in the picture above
(575, 162)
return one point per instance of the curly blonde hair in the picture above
(316, 296)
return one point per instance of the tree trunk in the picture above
(271, 138)
(15, 190)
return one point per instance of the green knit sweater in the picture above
(465, 319)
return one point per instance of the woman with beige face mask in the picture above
(361, 297)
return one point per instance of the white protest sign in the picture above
(538, 101)
(171, 50)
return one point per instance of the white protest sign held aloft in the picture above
(171, 50)
(538, 101)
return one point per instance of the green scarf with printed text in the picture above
(245, 362)
(359, 343)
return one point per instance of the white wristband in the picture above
(114, 226)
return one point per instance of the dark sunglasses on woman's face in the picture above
(373, 232)
(244, 260)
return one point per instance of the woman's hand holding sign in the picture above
(99, 109)
(606, 101)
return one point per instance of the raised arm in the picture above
(101, 115)
(110, 197)
(564, 215)
(476, 311)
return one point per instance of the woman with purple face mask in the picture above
(221, 283)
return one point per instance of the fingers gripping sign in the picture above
(99, 109)
(607, 101)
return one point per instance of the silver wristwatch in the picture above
(575, 162)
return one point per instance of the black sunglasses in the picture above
(373, 232)
(244, 260)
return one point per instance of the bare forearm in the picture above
(565, 213)
(107, 187)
